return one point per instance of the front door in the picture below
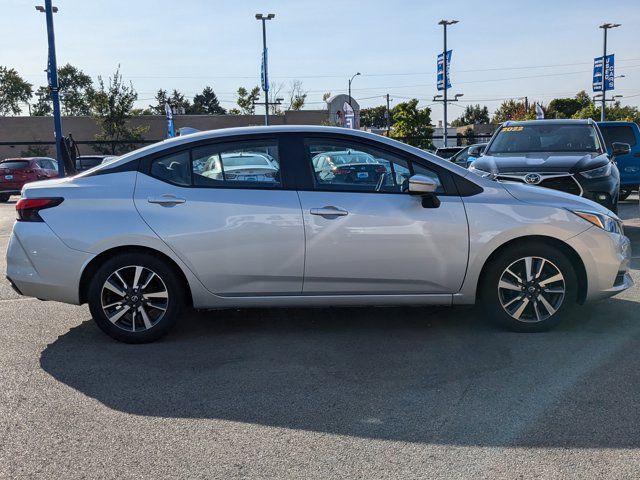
(223, 210)
(629, 164)
(366, 235)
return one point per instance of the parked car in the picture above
(467, 155)
(15, 172)
(447, 152)
(629, 163)
(147, 235)
(85, 162)
(347, 166)
(240, 166)
(565, 155)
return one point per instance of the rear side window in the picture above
(174, 168)
(618, 133)
(251, 163)
(15, 165)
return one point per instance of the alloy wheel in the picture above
(531, 289)
(134, 298)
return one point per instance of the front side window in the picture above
(545, 138)
(618, 133)
(238, 163)
(349, 166)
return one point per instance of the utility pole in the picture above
(526, 105)
(445, 23)
(351, 80)
(605, 27)
(388, 115)
(265, 79)
(52, 74)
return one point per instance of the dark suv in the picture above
(15, 172)
(566, 155)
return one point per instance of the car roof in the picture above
(559, 121)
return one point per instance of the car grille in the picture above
(562, 182)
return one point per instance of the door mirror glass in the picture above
(620, 148)
(420, 184)
(476, 150)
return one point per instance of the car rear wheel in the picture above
(529, 288)
(136, 298)
(4, 198)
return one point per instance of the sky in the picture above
(501, 49)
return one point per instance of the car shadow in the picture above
(436, 375)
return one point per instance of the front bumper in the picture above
(40, 265)
(606, 258)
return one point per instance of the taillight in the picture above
(341, 171)
(29, 208)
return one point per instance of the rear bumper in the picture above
(40, 265)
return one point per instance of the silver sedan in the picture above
(144, 237)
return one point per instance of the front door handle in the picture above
(166, 200)
(329, 211)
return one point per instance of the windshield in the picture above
(545, 138)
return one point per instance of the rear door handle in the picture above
(329, 211)
(167, 200)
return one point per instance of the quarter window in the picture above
(238, 164)
(174, 168)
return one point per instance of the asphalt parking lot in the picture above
(322, 393)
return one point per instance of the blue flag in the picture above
(170, 130)
(440, 70)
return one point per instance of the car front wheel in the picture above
(136, 298)
(529, 288)
(4, 198)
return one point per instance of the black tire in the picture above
(4, 198)
(491, 297)
(160, 321)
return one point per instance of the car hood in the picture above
(540, 162)
(554, 198)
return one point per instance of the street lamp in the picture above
(444, 24)
(605, 27)
(265, 80)
(351, 80)
(52, 74)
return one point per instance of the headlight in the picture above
(599, 172)
(610, 224)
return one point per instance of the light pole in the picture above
(605, 27)
(444, 23)
(351, 80)
(265, 81)
(52, 74)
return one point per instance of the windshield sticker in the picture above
(512, 129)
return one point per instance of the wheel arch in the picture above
(96, 262)
(572, 255)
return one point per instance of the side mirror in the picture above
(426, 188)
(620, 148)
(476, 150)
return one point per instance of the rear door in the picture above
(240, 237)
(629, 164)
(373, 237)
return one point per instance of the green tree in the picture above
(36, 151)
(297, 95)
(14, 90)
(567, 107)
(615, 111)
(112, 106)
(43, 106)
(374, 117)
(473, 114)
(412, 124)
(514, 110)
(179, 103)
(207, 103)
(161, 99)
(247, 101)
(76, 90)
